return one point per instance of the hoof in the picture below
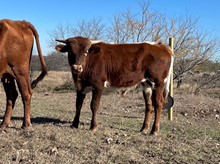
(3, 126)
(144, 131)
(74, 126)
(154, 133)
(26, 126)
(93, 129)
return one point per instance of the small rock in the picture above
(109, 140)
(54, 151)
(46, 94)
(183, 113)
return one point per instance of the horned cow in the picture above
(95, 66)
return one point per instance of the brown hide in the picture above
(16, 44)
(118, 65)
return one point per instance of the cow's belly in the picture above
(125, 79)
(142, 85)
(125, 82)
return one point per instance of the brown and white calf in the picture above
(95, 66)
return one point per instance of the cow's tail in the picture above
(167, 80)
(43, 64)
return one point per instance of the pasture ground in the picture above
(192, 137)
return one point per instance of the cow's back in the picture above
(121, 62)
(128, 64)
(16, 42)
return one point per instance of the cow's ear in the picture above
(61, 48)
(94, 50)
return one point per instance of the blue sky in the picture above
(45, 15)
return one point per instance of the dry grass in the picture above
(192, 137)
(52, 80)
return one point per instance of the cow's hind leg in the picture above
(23, 81)
(11, 96)
(96, 96)
(147, 93)
(79, 101)
(158, 101)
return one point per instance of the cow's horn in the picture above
(62, 41)
(95, 41)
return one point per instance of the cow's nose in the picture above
(78, 68)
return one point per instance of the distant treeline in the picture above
(55, 62)
(59, 62)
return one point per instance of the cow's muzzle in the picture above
(77, 68)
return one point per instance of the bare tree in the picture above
(206, 81)
(93, 29)
(192, 46)
(138, 27)
(61, 31)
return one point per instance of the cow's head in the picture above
(77, 49)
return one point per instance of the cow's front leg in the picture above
(96, 96)
(79, 101)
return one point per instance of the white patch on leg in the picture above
(147, 83)
(147, 90)
(107, 84)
